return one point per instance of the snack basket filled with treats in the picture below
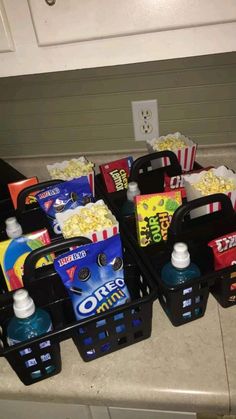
(121, 316)
(151, 229)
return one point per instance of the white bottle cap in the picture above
(23, 305)
(132, 190)
(180, 257)
(13, 228)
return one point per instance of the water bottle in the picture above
(128, 207)
(178, 271)
(29, 321)
(13, 228)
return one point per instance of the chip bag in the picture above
(224, 250)
(94, 277)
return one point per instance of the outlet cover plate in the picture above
(145, 119)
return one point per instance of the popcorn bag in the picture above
(184, 148)
(94, 221)
(219, 180)
(72, 169)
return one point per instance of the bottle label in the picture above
(12, 342)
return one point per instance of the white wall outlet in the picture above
(145, 119)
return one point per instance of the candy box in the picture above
(93, 220)
(14, 252)
(218, 180)
(116, 174)
(16, 187)
(73, 169)
(184, 148)
(153, 215)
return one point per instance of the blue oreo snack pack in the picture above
(94, 277)
(63, 196)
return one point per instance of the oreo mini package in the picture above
(94, 277)
(63, 196)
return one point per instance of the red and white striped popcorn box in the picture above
(95, 236)
(193, 193)
(61, 171)
(186, 155)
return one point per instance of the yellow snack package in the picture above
(13, 253)
(153, 215)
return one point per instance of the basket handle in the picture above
(174, 168)
(181, 212)
(57, 246)
(21, 206)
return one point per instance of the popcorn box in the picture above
(94, 235)
(71, 169)
(193, 193)
(185, 155)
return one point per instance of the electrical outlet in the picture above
(145, 119)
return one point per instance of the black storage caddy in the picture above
(95, 336)
(186, 302)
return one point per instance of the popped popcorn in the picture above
(169, 143)
(70, 169)
(183, 147)
(93, 218)
(210, 183)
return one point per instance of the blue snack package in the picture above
(94, 277)
(63, 196)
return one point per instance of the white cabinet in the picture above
(81, 34)
(6, 43)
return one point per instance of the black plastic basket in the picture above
(95, 336)
(183, 303)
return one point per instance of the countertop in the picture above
(187, 368)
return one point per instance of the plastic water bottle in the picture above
(13, 228)
(180, 269)
(128, 207)
(29, 321)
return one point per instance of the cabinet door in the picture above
(120, 413)
(36, 410)
(79, 21)
(6, 43)
(76, 34)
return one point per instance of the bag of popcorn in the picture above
(215, 180)
(183, 147)
(73, 169)
(93, 220)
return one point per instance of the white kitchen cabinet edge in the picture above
(31, 57)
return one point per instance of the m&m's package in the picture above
(14, 252)
(63, 196)
(153, 215)
(94, 277)
(116, 174)
(224, 250)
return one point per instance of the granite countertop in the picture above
(187, 368)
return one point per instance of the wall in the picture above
(89, 111)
